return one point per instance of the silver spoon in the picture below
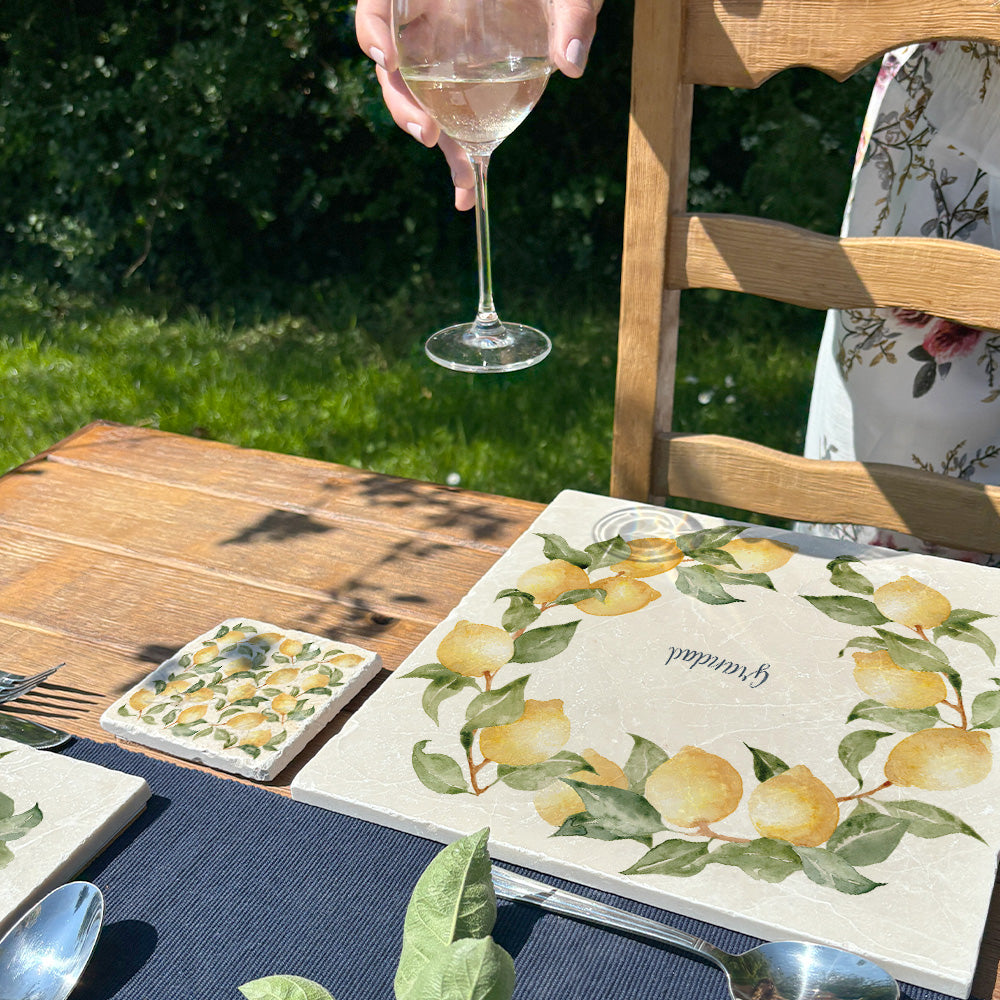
(782, 970)
(43, 954)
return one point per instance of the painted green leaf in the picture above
(765, 765)
(849, 610)
(702, 584)
(985, 713)
(498, 707)
(440, 690)
(743, 579)
(608, 552)
(867, 837)
(542, 643)
(618, 810)
(644, 759)
(582, 824)
(6, 855)
(914, 653)
(521, 612)
(452, 900)
(707, 538)
(284, 988)
(467, 969)
(6, 806)
(845, 577)
(249, 750)
(905, 720)
(572, 596)
(16, 825)
(763, 859)
(964, 632)
(866, 642)
(437, 771)
(556, 547)
(672, 857)
(963, 616)
(533, 777)
(831, 871)
(713, 557)
(856, 747)
(929, 821)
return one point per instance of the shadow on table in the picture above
(122, 950)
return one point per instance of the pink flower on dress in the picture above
(912, 317)
(948, 340)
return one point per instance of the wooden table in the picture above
(120, 544)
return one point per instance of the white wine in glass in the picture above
(478, 67)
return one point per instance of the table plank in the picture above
(121, 544)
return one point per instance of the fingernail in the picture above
(416, 131)
(378, 55)
(576, 53)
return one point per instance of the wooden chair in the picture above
(741, 43)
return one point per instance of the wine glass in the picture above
(477, 67)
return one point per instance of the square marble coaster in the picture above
(56, 815)
(244, 697)
(785, 735)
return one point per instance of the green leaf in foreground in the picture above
(644, 759)
(284, 988)
(849, 610)
(468, 969)
(453, 899)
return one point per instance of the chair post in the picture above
(658, 149)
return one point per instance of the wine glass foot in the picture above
(505, 347)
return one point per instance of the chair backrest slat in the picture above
(741, 43)
(960, 281)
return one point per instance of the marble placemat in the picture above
(785, 735)
(56, 814)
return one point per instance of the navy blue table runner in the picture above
(218, 883)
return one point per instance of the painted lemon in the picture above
(541, 731)
(757, 555)
(880, 677)
(795, 807)
(257, 738)
(206, 653)
(473, 650)
(196, 713)
(231, 638)
(911, 603)
(241, 690)
(245, 720)
(940, 759)
(344, 661)
(694, 787)
(623, 594)
(290, 647)
(314, 681)
(552, 579)
(202, 694)
(649, 557)
(284, 675)
(283, 703)
(142, 698)
(265, 638)
(558, 801)
(237, 665)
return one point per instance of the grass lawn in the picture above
(343, 378)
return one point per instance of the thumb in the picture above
(574, 24)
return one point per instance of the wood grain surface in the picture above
(121, 544)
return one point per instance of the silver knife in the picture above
(32, 734)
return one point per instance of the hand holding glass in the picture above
(477, 67)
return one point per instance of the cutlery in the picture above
(12, 686)
(44, 953)
(32, 734)
(781, 970)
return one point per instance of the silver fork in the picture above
(13, 686)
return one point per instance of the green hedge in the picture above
(204, 145)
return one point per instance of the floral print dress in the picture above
(899, 386)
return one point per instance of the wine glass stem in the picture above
(486, 315)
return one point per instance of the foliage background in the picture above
(205, 208)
